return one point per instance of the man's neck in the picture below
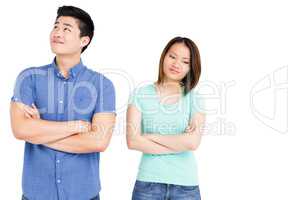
(66, 62)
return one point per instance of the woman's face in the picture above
(177, 62)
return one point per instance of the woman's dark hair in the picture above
(86, 24)
(191, 79)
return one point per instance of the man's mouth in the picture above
(57, 42)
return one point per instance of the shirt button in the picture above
(57, 161)
(60, 101)
(58, 181)
(65, 82)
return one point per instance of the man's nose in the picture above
(57, 33)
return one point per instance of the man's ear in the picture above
(84, 41)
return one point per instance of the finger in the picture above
(188, 131)
(34, 107)
(88, 126)
(28, 110)
(191, 129)
(82, 126)
(33, 111)
(27, 115)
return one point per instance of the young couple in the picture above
(66, 113)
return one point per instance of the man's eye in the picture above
(66, 29)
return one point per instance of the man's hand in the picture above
(79, 126)
(31, 112)
(83, 126)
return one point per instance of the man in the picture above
(66, 113)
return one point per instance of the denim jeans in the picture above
(95, 198)
(160, 191)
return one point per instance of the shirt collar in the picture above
(74, 71)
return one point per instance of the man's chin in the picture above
(59, 53)
(56, 50)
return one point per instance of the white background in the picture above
(248, 48)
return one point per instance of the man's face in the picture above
(65, 37)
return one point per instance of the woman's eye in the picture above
(185, 62)
(171, 56)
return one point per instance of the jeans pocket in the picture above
(187, 192)
(188, 188)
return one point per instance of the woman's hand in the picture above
(190, 129)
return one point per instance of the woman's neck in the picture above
(169, 87)
(170, 84)
(169, 92)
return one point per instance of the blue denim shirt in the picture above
(49, 174)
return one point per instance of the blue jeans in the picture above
(95, 198)
(160, 191)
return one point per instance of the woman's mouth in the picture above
(173, 70)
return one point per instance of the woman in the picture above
(165, 121)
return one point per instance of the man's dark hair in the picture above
(86, 24)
